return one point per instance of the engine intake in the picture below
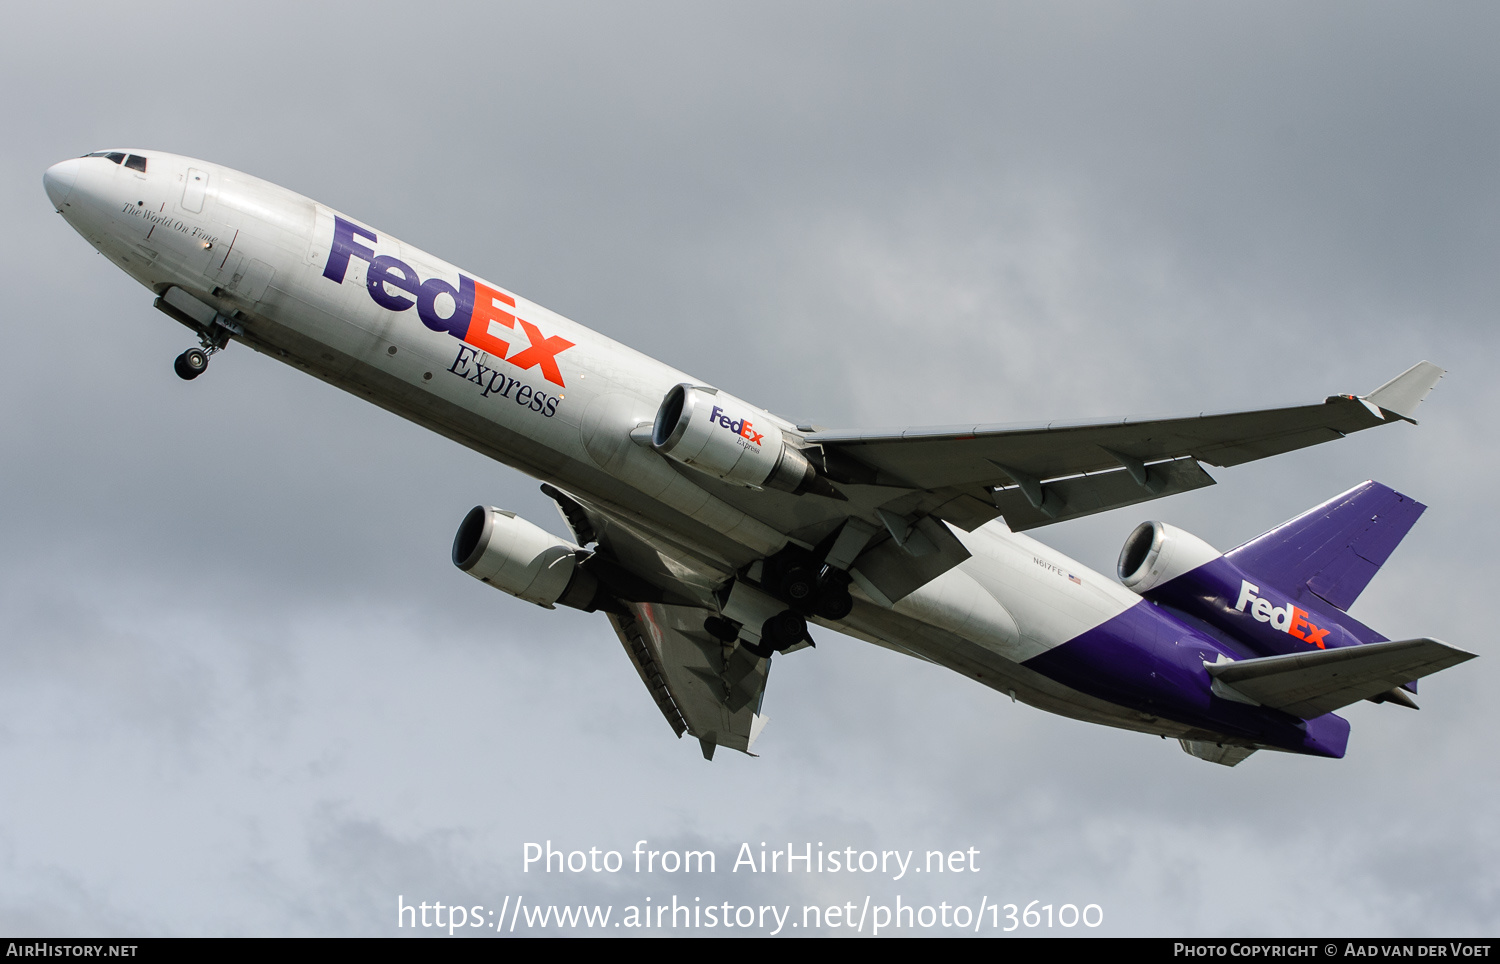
(1156, 553)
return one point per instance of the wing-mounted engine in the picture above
(705, 686)
(501, 549)
(732, 440)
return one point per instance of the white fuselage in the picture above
(556, 400)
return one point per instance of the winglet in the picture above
(1401, 395)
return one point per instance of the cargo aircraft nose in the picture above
(59, 178)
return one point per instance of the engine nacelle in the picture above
(718, 434)
(1156, 553)
(505, 551)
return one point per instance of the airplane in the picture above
(711, 532)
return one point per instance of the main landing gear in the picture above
(776, 596)
(777, 634)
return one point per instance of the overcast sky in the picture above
(243, 690)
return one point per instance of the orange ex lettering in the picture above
(1303, 629)
(487, 313)
(1289, 619)
(478, 308)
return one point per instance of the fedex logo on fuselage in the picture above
(477, 308)
(739, 426)
(1289, 619)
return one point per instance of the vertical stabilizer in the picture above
(1334, 550)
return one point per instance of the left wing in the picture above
(703, 687)
(1039, 474)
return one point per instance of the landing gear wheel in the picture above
(798, 585)
(759, 650)
(190, 364)
(783, 630)
(834, 602)
(721, 629)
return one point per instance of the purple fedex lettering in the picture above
(741, 427)
(456, 324)
(398, 274)
(344, 247)
(392, 281)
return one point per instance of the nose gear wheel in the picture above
(191, 363)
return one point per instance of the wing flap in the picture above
(1311, 684)
(1071, 498)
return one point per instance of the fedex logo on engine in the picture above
(739, 426)
(477, 308)
(1289, 619)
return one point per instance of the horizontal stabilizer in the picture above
(1311, 684)
(1334, 550)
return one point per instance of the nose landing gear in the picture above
(192, 363)
(212, 327)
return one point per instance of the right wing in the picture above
(1035, 475)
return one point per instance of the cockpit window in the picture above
(133, 161)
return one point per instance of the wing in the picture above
(703, 687)
(1034, 475)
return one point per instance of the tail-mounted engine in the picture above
(716, 433)
(1156, 553)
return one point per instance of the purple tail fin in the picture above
(1333, 551)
